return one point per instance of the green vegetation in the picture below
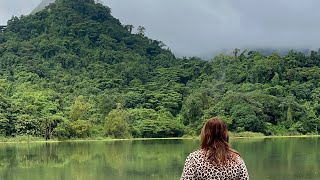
(246, 134)
(74, 71)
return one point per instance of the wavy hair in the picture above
(215, 142)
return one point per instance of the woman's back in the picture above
(197, 167)
(215, 160)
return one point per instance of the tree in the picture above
(4, 125)
(129, 28)
(80, 129)
(235, 52)
(79, 110)
(275, 80)
(116, 123)
(164, 126)
(141, 30)
(310, 121)
(243, 116)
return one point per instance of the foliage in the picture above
(116, 123)
(246, 134)
(63, 71)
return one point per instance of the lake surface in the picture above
(276, 159)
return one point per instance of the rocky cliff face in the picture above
(42, 5)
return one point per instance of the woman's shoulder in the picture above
(196, 154)
(237, 158)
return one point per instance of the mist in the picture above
(206, 27)
(201, 28)
(9, 8)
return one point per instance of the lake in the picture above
(276, 159)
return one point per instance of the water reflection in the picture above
(282, 158)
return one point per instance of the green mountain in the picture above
(75, 63)
(72, 70)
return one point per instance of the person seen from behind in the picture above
(215, 160)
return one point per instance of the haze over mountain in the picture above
(198, 28)
(42, 5)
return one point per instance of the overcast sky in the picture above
(201, 27)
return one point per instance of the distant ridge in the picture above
(42, 5)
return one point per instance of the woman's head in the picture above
(214, 141)
(213, 131)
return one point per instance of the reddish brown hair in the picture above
(215, 142)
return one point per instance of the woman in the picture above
(215, 159)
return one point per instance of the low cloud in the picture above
(199, 28)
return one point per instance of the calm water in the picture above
(282, 158)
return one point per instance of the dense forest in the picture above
(72, 70)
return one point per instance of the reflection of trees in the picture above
(280, 158)
(152, 159)
(29, 155)
(160, 159)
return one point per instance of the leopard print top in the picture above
(197, 167)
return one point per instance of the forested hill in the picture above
(72, 70)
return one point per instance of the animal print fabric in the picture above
(197, 167)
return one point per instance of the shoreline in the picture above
(145, 139)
